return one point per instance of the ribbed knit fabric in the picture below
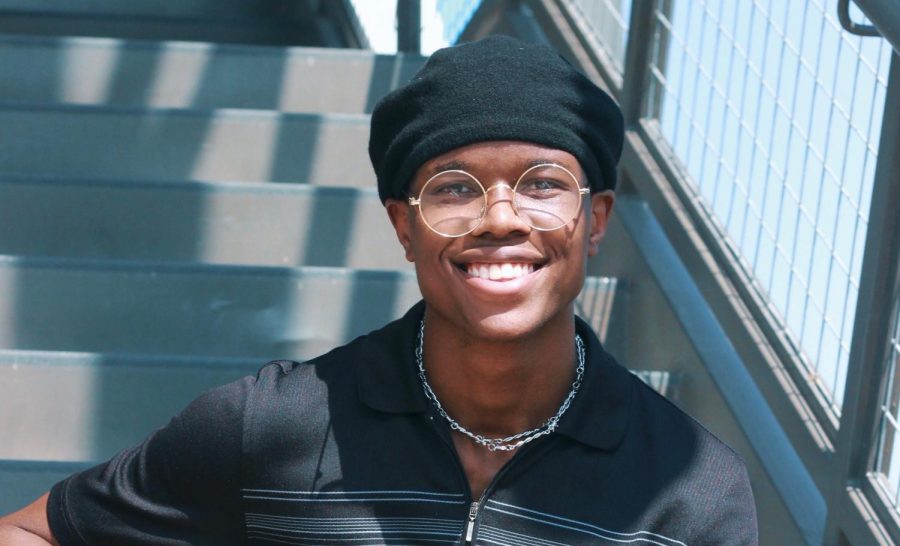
(497, 88)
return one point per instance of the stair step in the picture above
(664, 382)
(299, 22)
(196, 75)
(101, 402)
(209, 310)
(187, 309)
(202, 9)
(147, 8)
(236, 223)
(21, 482)
(158, 144)
(107, 410)
(106, 399)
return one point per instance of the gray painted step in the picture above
(21, 482)
(158, 144)
(299, 22)
(155, 308)
(261, 31)
(101, 403)
(231, 9)
(196, 75)
(250, 224)
(209, 310)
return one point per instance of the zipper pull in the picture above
(470, 527)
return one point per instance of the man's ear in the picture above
(601, 208)
(399, 213)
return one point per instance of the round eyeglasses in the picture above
(453, 203)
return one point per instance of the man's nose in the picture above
(500, 218)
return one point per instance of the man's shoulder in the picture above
(311, 378)
(670, 432)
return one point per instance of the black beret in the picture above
(497, 88)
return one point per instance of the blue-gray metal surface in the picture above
(851, 26)
(788, 474)
(67, 406)
(204, 222)
(409, 26)
(280, 22)
(108, 71)
(209, 310)
(887, 461)
(126, 143)
(24, 481)
(886, 18)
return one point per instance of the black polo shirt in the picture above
(346, 449)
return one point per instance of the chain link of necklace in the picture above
(516, 440)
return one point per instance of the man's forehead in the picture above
(463, 165)
(498, 156)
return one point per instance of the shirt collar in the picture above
(387, 375)
(599, 414)
(388, 381)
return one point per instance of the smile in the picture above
(499, 271)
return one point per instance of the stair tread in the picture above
(208, 222)
(209, 309)
(127, 143)
(179, 74)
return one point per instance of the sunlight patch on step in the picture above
(45, 414)
(237, 148)
(100, 59)
(178, 75)
(268, 230)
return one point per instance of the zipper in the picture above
(470, 527)
(473, 508)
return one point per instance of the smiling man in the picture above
(489, 413)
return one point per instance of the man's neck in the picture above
(500, 388)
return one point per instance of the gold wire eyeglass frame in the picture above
(417, 201)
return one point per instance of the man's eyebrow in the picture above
(539, 161)
(459, 165)
(452, 165)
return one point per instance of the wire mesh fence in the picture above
(607, 22)
(887, 462)
(774, 114)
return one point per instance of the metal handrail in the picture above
(884, 15)
(851, 26)
(409, 26)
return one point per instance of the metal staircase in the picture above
(172, 215)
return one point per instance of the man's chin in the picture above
(510, 325)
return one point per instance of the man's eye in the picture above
(455, 190)
(540, 185)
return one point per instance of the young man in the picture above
(488, 414)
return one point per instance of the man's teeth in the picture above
(499, 272)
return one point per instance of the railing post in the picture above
(858, 433)
(637, 57)
(409, 26)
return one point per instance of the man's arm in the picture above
(731, 521)
(28, 526)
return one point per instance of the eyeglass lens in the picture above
(453, 203)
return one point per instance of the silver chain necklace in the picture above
(516, 440)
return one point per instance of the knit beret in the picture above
(498, 88)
